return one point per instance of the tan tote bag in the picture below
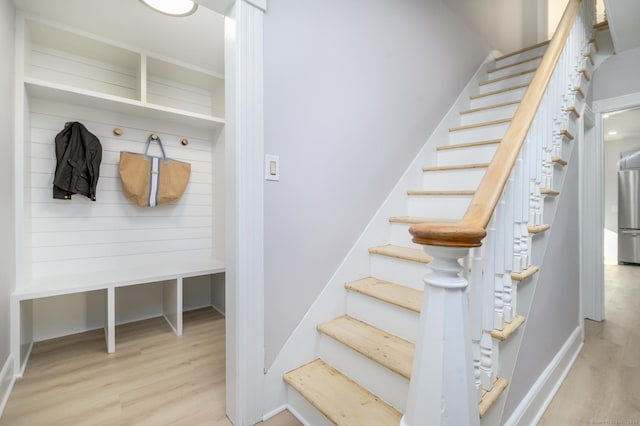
(150, 181)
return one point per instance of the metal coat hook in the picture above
(184, 141)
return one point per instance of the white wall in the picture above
(506, 25)
(7, 281)
(352, 91)
(617, 76)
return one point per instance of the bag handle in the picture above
(154, 137)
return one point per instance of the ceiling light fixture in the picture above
(172, 7)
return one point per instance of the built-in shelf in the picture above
(78, 258)
(63, 64)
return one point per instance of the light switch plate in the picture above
(272, 167)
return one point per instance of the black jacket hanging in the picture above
(78, 155)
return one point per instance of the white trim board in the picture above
(536, 401)
(244, 156)
(7, 380)
(592, 206)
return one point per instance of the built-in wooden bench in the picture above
(169, 275)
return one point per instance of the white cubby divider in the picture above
(94, 253)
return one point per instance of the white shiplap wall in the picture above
(84, 236)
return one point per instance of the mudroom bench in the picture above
(167, 277)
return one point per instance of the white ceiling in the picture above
(623, 17)
(197, 39)
(626, 124)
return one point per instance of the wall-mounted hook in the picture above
(184, 141)
(117, 131)
(154, 137)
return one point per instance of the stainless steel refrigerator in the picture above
(629, 208)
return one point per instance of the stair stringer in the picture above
(510, 349)
(302, 345)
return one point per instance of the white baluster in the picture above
(441, 391)
(486, 341)
(475, 302)
(509, 223)
(498, 286)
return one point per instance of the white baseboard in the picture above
(7, 380)
(535, 403)
(289, 408)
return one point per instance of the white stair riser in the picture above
(399, 271)
(459, 179)
(310, 414)
(475, 154)
(521, 56)
(380, 381)
(530, 65)
(565, 148)
(400, 236)
(440, 206)
(505, 84)
(499, 98)
(477, 134)
(386, 316)
(488, 115)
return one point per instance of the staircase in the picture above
(365, 357)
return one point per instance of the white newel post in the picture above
(442, 390)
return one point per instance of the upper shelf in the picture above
(66, 65)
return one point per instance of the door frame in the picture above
(244, 211)
(592, 206)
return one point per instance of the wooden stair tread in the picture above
(413, 220)
(572, 110)
(395, 294)
(567, 134)
(399, 252)
(509, 328)
(601, 26)
(490, 397)
(549, 191)
(388, 350)
(506, 77)
(589, 56)
(559, 161)
(456, 167)
(487, 108)
(539, 228)
(579, 91)
(468, 144)
(524, 61)
(526, 49)
(585, 73)
(495, 92)
(339, 398)
(526, 273)
(421, 192)
(483, 124)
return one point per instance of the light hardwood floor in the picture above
(603, 386)
(156, 378)
(153, 378)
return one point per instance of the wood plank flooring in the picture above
(603, 386)
(156, 378)
(153, 378)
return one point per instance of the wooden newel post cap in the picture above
(447, 234)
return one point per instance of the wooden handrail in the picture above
(471, 229)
